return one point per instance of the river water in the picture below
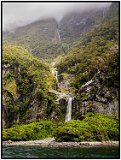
(44, 152)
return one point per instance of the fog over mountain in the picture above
(20, 14)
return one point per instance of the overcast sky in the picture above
(19, 14)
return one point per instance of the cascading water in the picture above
(62, 95)
(69, 109)
(69, 105)
(88, 83)
(59, 39)
(56, 74)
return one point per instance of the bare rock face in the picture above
(96, 98)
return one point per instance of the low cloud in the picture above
(20, 14)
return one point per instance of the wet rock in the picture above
(96, 97)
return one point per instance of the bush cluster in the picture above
(32, 131)
(95, 127)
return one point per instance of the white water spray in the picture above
(56, 74)
(69, 109)
(60, 96)
(87, 83)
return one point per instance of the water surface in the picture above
(44, 152)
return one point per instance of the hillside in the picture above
(73, 25)
(48, 38)
(94, 65)
(40, 38)
(66, 81)
(26, 83)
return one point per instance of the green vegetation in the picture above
(40, 38)
(32, 131)
(97, 50)
(26, 83)
(113, 70)
(95, 127)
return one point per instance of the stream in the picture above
(61, 95)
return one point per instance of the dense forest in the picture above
(83, 52)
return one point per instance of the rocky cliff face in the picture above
(73, 25)
(96, 98)
(40, 38)
(12, 98)
(25, 86)
(23, 102)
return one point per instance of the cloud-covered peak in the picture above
(20, 13)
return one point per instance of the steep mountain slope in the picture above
(94, 64)
(113, 10)
(40, 38)
(73, 25)
(48, 38)
(26, 83)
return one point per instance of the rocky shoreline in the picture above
(50, 142)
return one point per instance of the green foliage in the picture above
(40, 38)
(32, 131)
(84, 96)
(95, 127)
(97, 50)
(113, 71)
(26, 79)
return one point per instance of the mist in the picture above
(21, 13)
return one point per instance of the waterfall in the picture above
(103, 14)
(91, 81)
(69, 108)
(62, 95)
(69, 105)
(87, 83)
(56, 74)
(59, 39)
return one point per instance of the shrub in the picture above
(32, 131)
(95, 127)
